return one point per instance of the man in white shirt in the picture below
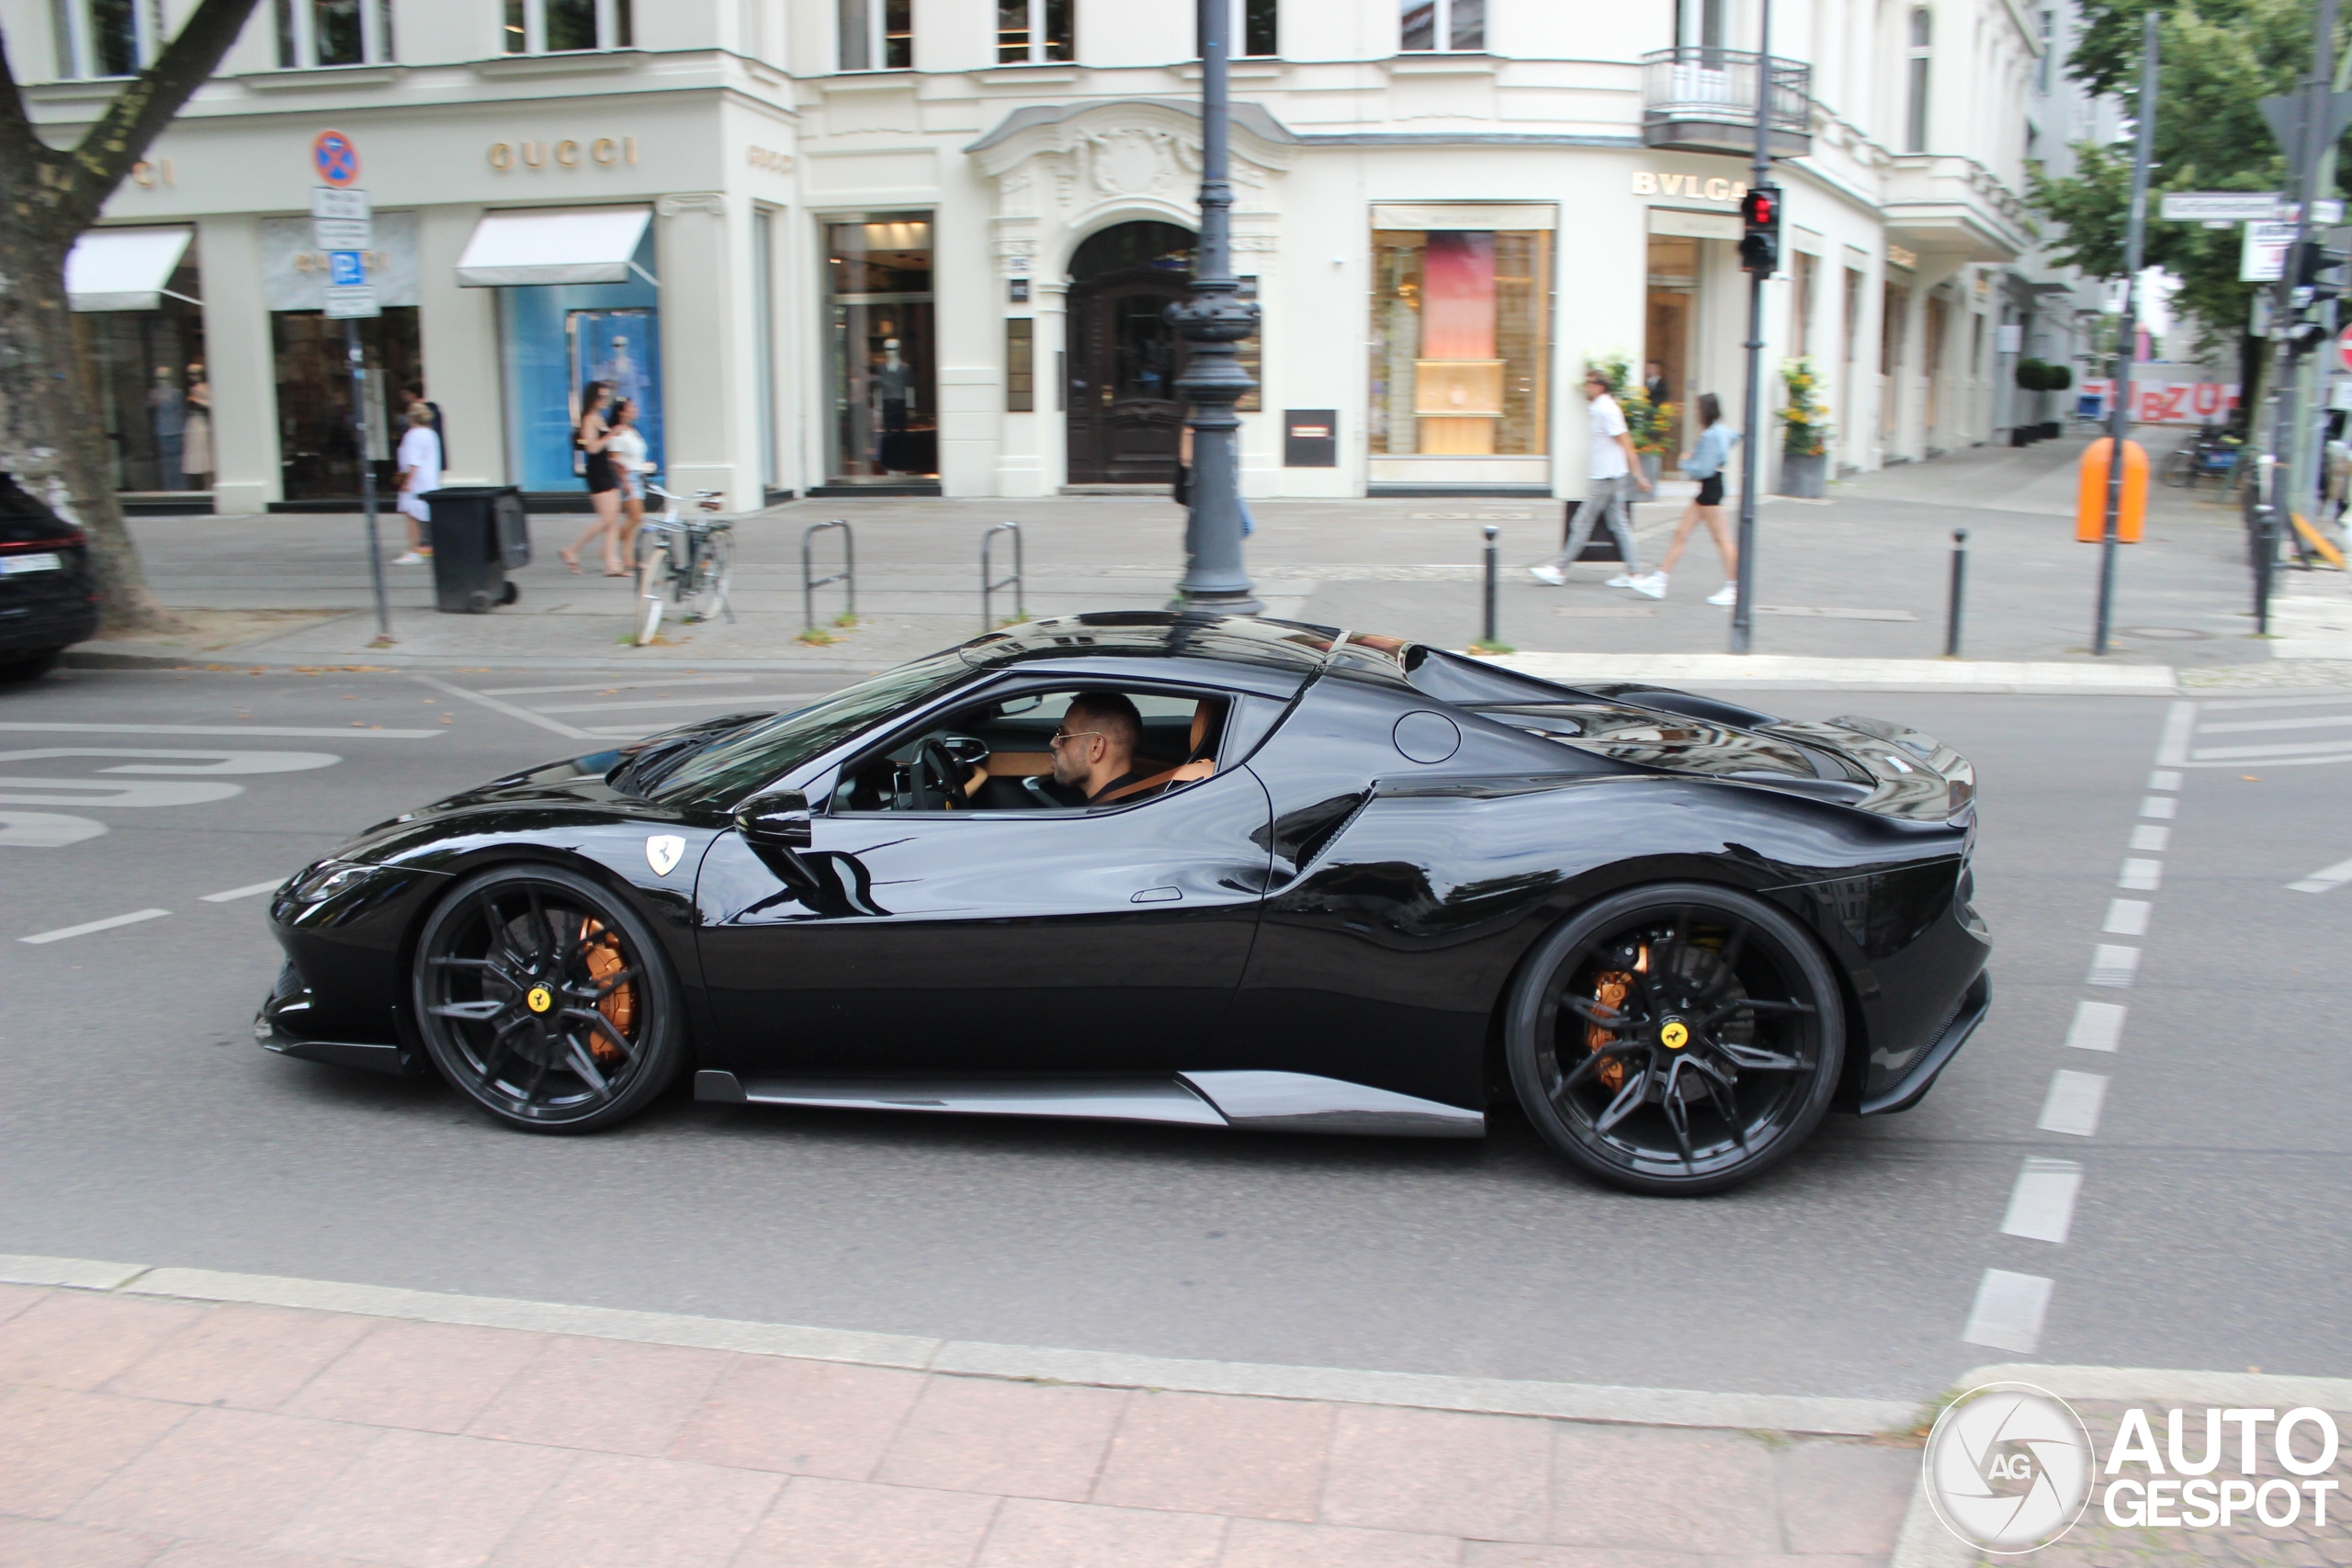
(420, 474)
(1615, 469)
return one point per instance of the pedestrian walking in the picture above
(1704, 462)
(419, 462)
(593, 436)
(1612, 473)
(629, 465)
(414, 392)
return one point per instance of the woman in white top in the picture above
(420, 474)
(626, 446)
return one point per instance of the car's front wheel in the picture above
(1676, 1039)
(547, 1000)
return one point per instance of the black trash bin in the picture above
(479, 532)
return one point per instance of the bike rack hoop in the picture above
(846, 577)
(991, 583)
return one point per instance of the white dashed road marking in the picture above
(2127, 916)
(2326, 881)
(2151, 836)
(2141, 876)
(2158, 805)
(2041, 1205)
(2008, 1310)
(244, 892)
(2113, 965)
(87, 926)
(2073, 1104)
(496, 706)
(2099, 1026)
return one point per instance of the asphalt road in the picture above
(138, 1122)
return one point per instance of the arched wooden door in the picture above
(1124, 415)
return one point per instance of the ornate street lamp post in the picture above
(1213, 320)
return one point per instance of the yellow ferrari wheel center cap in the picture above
(538, 999)
(1675, 1035)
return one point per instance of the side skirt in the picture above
(1975, 1003)
(1257, 1101)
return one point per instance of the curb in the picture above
(1924, 1542)
(1485, 1396)
(388, 662)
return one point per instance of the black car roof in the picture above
(1294, 646)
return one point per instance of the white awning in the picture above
(556, 244)
(124, 269)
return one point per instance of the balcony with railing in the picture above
(1698, 99)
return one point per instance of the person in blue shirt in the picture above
(1705, 463)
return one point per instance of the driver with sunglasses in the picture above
(1094, 749)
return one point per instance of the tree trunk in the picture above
(50, 436)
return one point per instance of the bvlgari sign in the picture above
(1689, 188)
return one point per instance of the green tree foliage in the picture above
(2218, 57)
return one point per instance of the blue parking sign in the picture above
(345, 269)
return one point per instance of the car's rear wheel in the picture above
(547, 1000)
(1676, 1039)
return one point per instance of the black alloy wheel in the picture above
(1676, 1040)
(547, 1000)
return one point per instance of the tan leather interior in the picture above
(1183, 773)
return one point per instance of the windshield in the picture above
(725, 772)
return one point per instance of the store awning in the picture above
(125, 270)
(558, 244)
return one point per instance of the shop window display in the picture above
(1460, 341)
(319, 456)
(155, 397)
(880, 340)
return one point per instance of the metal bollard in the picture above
(1493, 574)
(990, 583)
(846, 577)
(1959, 582)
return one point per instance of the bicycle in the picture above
(2209, 454)
(683, 561)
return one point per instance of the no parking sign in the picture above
(336, 158)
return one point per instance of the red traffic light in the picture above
(1760, 208)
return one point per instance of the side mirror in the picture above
(781, 819)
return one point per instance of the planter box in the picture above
(1652, 463)
(1805, 477)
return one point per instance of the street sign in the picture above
(2263, 255)
(339, 219)
(336, 157)
(348, 291)
(2223, 206)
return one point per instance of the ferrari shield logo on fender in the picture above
(662, 853)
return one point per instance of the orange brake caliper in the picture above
(1610, 989)
(603, 952)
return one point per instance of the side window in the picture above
(1044, 750)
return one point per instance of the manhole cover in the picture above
(2164, 634)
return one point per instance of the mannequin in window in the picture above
(196, 437)
(892, 389)
(167, 414)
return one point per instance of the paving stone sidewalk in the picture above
(188, 1434)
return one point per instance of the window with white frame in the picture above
(1915, 124)
(556, 26)
(1030, 32)
(877, 34)
(334, 32)
(107, 38)
(1441, 24)
(1253, 33)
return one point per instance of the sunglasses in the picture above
(1059, 736)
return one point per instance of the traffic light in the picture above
(1760, 247)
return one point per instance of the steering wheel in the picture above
(938, 773)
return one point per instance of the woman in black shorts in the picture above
(1705, 463)
(593, 436)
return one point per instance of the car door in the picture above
(1041, 940)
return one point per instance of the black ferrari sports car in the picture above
(1349, 884)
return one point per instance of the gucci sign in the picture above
(567, 153)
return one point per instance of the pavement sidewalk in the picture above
(1861, 578)
(186, 1418)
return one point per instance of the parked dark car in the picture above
(1359, 885)
(49, 596)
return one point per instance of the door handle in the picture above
(1158, 895)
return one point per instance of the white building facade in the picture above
(912, 246)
